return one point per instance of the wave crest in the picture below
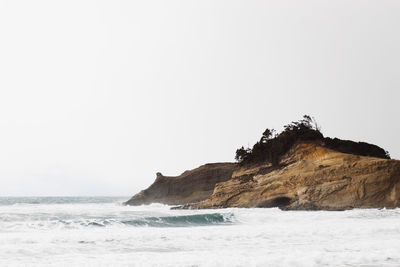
(183, 220)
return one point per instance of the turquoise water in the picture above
(42, 212)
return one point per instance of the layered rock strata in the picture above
(309, 177)
(312, 177)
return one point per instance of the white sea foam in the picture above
(76, 233)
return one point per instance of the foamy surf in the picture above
(102, 232)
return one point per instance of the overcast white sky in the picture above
(97, 96)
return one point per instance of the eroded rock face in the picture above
(191, 186)
(311, 177)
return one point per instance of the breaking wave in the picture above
(43, 221)
(184, 220)
(76, 231)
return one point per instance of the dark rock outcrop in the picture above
(191, 186)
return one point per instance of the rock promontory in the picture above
(297, 169)
(189, 187)
(311, 177)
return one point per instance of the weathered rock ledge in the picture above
(191, 186)
(310, 176)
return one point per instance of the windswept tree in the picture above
(242, 153)
(267, 135)
(272, 146)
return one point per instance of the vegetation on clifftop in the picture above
(272, 145)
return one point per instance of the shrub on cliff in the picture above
(272, 146)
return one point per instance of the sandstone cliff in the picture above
(311, 176)
(297, 168)
(191, 186)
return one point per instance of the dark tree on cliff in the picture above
(241, 153)
(272, 146)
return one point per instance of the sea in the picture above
(101, 231)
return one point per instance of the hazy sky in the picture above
(97, 96)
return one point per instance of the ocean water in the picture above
(100, 231)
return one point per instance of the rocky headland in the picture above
(314, 173)
(312, 177)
